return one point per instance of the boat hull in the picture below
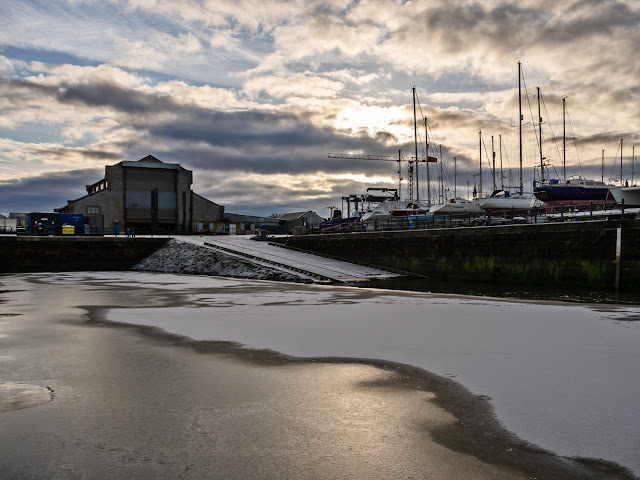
(562, 193)
(630, 195)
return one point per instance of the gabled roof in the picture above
(287, 217)
(150, 158)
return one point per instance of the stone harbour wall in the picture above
(578, 254)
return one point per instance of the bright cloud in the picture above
(253, 95)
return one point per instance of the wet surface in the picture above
(513, 291)
(14, 396)
(135, 402)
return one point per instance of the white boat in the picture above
(395, 208)
(456, 206)
(504, 200)
(630, 195)
(501, 199)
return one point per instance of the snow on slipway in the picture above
(242, 257)
(182, 257)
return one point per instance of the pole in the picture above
(480, 174)
(426, 137)
(455, 177)
(399, 175)
(602, 174)
(621, 163)
(441, 178)
(415, 134)
(564, 139)
(501, 174)
(493, 155)
(633, 161)
(540, 140)
(520, 122)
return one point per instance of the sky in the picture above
(254, 95)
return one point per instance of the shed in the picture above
(306, 219)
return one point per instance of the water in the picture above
(562, 376)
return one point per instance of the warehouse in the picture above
(145, 196)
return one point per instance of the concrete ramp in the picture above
(262, 252)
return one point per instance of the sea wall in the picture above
(578, 254)
(61, 254)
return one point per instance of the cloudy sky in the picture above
(254, 95)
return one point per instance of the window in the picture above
(93, 210)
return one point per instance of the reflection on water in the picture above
(15, 396)
(526, 292)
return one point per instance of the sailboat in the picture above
(576, 191)
(456, 205)
(501, 199)
(629, 195)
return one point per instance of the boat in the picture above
(579, 192)
(574, 189)
(394, 208)
(501, 199)
(625, 194)
(630, 196)
(456, 206)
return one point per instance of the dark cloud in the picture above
(502, 26)
(45, 192)
(115, 97)
(63, 153)
(587, 18)
(508, 27)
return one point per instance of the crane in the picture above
(390, 158)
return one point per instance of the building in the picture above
(306, 220)
(146, 195)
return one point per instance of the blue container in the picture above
(44, 223)
(73, 219)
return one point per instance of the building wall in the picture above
(124, 197)
(109, 203)
(183, 189)
(205, 213)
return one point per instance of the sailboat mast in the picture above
(480, 189)
(493, 155)
(564, 140)
(633, 161)
(415, 135)
(540, 135)
(441, 178)
(426, 137)
(520, 120)
(399, 175)
(621, 163)
(455, 177)
(501, 175)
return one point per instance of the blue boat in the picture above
(574, 189)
